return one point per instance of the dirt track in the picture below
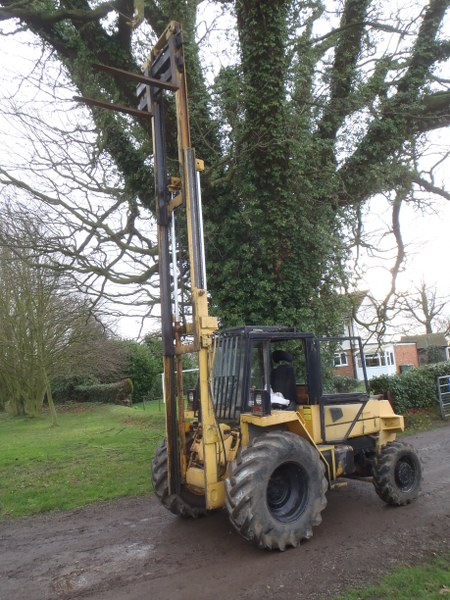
(134, 549)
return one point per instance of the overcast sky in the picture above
(426, 235)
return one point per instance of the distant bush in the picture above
(107, 393)
(144, 366)
(63, 388)
(435, 354)
(416, 388)
(344, 385)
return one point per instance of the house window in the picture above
(340, 359)
(379, 359)
(373, 360)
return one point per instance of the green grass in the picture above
(98, 452)
(422, 419)
(429, 581)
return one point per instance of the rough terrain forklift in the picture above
(264, 433)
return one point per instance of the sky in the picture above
(427, 239)
(425, 234)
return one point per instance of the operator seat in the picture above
(282, 377)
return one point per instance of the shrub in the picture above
(435, 354)
(145, 365)
(64, 387)
(344, 384)
(144, 369)
(107, 393)
(416, 388)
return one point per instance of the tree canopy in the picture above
(302, 110)
(427, 308)
(47, 329)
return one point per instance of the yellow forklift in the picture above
(264, 434)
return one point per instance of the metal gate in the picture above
(444, 395)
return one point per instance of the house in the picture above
(380, 358)
(387, 359)
(431, 347)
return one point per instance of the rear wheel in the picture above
(186, 504)
(276, 490)
(397, 474)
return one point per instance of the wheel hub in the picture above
(287, 492)
(404, 475)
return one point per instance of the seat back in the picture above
(282, 379)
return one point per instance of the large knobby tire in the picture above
(187, 504)
(397, 474)
(276, 490)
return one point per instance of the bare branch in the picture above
(25, 12)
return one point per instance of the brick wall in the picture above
(346, 370)
(405, 354)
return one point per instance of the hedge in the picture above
(416, 388)
(113, 393)
(64, 387)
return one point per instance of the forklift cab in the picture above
(260, 369)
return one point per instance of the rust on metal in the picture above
(142, 114)
(165, 85)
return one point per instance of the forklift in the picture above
(264, 434)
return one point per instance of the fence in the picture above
(444, 395)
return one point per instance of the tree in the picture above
(46, 330)
(323, 107)
(144, 369)
(426, 307)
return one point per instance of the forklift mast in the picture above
(166, 69)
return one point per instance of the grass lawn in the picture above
(422, 419)
(423, 582)
(98, 452)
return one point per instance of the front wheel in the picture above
(397, 474)
(276, 490)
(186, 504)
